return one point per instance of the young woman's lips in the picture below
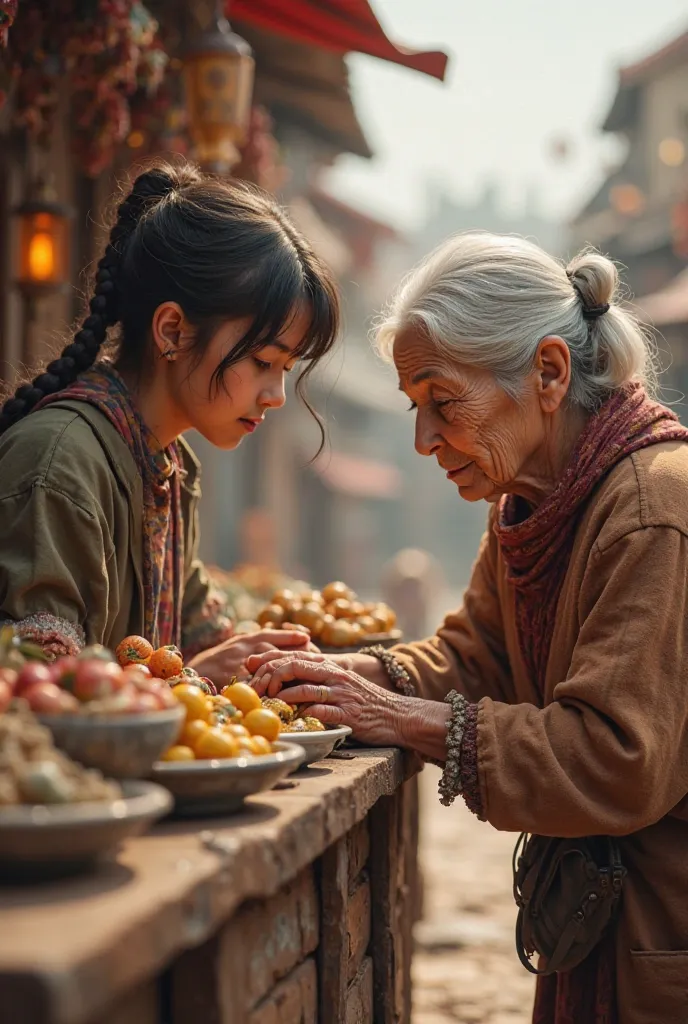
(249, 425)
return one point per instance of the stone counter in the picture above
(297, 910)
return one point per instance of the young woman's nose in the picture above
(274, 396)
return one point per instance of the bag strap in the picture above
(564, 943)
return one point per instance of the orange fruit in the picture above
(261, 745)
(336, 590)
(216, 742)
(193, 699)
(166, 662)
(179, 752)
(263, 722)
(133, 650)
(242, 696)
(237, 731)
(246, 747)
(271, 615)
(191, 732)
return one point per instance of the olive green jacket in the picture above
(71, 517)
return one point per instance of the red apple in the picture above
(62, 671)
(44, 697)
(96, 679)
(33, 672)
(144, 703)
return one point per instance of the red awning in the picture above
(340, 25)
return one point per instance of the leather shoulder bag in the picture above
(567, 892)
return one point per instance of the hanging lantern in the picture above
(43, 255)
(218, 75)
(43, 262)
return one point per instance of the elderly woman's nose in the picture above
(428, 440)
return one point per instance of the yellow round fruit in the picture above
(283, 597)
(194, 700)
(263, 722)
(179, 752)
(341, 608)
(191, 732)
(338, 634)
(216, 742)
(271, 615)
(238, 731)
(261, 745)
(242, 696)
(357, 609)
(311, 616)
(335, 590)
(367, 624)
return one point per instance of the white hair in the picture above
(488, 300)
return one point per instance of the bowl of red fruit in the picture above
(117, 719)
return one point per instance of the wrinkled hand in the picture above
(339, 697)
(270, 683)
(229, 658)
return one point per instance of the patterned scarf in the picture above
(161, 471)
(537, 549)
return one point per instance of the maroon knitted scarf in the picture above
(537, 549)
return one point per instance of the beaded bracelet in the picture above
(398, 676)
(449, 786)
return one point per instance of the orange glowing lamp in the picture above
(43, 245)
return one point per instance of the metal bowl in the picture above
(49, 841)
(318, 745)
(121, 746)
(220, 786)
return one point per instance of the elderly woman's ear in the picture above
(552, 372)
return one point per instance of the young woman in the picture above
(217, 297)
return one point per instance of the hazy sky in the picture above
(522, 74)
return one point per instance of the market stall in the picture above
(297, 910)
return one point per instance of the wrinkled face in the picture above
(483, 439)
(225, 415)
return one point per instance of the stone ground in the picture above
(465, 967)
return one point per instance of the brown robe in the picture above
(605, 749)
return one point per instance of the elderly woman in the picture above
(555, 697)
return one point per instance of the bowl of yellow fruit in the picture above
(317, 740)
(229, 748)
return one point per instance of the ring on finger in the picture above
(323, 694)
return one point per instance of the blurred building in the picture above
(639, 215)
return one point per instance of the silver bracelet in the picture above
(449, 786)
(397, 674)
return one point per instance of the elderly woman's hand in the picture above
(340, 697)
(229, 658)
(269, 684)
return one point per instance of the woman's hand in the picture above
(269, 684)
(229, 658)
(340, 697)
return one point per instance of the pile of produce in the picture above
(32, 771)
(334, 616)
(93, 683)
(233, 723)
(292, 719)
